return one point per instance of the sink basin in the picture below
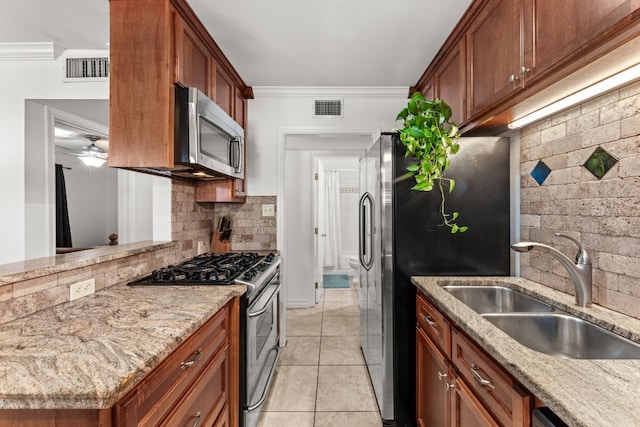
(497, 299)
(564, 335)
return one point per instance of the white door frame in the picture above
(281, 220)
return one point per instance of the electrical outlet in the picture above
(200, 247)
(268, 210)
(82, 289)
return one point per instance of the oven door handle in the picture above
(266, 306)
(263, 396)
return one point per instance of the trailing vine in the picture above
(430, 137)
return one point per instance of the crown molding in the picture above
(33, 51)
(327, 91)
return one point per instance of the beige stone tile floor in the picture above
(321, 379)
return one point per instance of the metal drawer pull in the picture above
(478, 377)
(185, 365)
(198, 419)
(441, 376)
(448, 386)
(430, 321)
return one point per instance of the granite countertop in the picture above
(88, 353)
(584, 393)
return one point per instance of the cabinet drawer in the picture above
(207, 398)
(149, 402)
(492, 385)
(434, 324)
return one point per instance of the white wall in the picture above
(276, 116)
(19, 81)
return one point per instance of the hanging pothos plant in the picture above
(430, 137)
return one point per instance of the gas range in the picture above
(245, 268)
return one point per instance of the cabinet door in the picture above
(451, 82)
(557, 30)
(496, 52)
(240, 108)
(432, 374)
(193, 60)
(466, 410)
(227, 190)
(225, 91)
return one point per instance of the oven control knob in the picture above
(269, 257)
(250, 274)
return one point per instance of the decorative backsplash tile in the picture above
(540, 172)
(600, 162)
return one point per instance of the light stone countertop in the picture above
(33, 268)
(88, 353)
(584, 393)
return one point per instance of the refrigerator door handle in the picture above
(366, 224)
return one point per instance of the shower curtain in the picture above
(63, 229)
(332, 219)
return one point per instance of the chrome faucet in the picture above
(580, 271)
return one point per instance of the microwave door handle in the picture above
(230, 152)
(238, 154)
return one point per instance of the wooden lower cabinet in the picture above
(432, 376)
(197, 384)
(466, 409)
(463, 388)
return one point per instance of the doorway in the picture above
(298, 152)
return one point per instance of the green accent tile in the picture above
(600, 162)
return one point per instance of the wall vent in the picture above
(328, 108)
(83, 69)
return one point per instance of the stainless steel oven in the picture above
(262, 351)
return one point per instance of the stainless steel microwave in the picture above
(207, 139)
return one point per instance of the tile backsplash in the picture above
(191, 224)
(604, 214)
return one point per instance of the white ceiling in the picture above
(276, 42)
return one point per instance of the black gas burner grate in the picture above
(205, 269)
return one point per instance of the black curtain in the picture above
(63, 230)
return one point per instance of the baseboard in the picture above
(300, 304)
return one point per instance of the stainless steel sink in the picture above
(497, 299)
(564, 335)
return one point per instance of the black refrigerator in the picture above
(401, 235)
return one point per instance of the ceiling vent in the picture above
(86, 69)
(328, 108)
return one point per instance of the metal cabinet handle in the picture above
(185, 365)
(483, 382)
(448, 386)
(441, 376)
(430, 321)
(198, 419)
(513, 78)
(524, 70)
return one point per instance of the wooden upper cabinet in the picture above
(558, 30)
(451, 81)
(141, 64)
(156, 45)
(193, 65)
(239, 107)
(225, 91)
(495, 47)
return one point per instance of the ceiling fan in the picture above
(91, 154)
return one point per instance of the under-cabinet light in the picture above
(602, 86)
(92, 161)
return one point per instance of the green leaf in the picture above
(453, 132)
(413, 107)
(416, 132)
(417, 95)
(455, 148)
(452, 185)
(463, 229)
(454, 229)
(403, 114)
(413, 168)
(423, 186)
(454, 216)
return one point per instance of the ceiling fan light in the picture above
(92, 161)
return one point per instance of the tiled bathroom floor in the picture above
(321, 379)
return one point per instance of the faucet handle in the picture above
(582, 257)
